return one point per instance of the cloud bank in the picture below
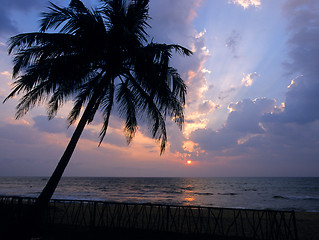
(262, 133)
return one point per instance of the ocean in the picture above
(299, 194)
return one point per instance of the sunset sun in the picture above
(189, 162)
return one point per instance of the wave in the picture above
(296, 197)
(173, 192)
(187, 188)
(228, 194)
(250, 190)
(203, 193)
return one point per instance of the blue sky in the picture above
(252, 105)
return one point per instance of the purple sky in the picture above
(252, 105)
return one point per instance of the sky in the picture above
(251, 107)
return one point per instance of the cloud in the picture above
(3, 47)
(243, 121)
(172, 23)
(304, 35)
(248, 80)
(194, 71)
(7, 22)
(301, 103)
(55, 125)
(258, 134)
(26, 151)
(19, 134)
(254, 146)
(246, 115)
(22, 5)
(302, 95)
(207, 106)
(58, 125)
(210, 140)
(172, 19)
(4, 77)
(7, 26)
(232, 42)
(247, 3)
(199, 116)
(225, 94)
(114, 137)
(6, 73)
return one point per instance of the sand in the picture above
(88, 220)
(307, 225)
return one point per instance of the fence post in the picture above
(167, 217)
(94, 215)
(295, 225)
(19, 214)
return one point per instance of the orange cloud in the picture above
(189, 146)
(246, 138)
(193, 14)
(20, 121)
(6, 73)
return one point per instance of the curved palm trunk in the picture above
(51, 185)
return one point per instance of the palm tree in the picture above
(101, 58)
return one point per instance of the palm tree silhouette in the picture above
(101, 58)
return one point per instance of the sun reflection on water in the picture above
(189, 194)
(189, 199)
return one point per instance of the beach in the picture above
(307, 225)
(90, 218)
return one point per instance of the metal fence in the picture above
(213, 222)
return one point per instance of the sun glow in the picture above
(189, 162)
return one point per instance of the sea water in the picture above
(299, 194)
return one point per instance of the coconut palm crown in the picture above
(99, 58)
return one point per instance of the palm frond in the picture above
(78, 6)
(84, 94)
(137, 16)
(72, 19)
(55, 17)
(30, 80)
(35, 47)
(180, 49)
(147, 106)
(32, 98)
(127, 102)
(106, 108)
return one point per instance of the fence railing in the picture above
(225, 222)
